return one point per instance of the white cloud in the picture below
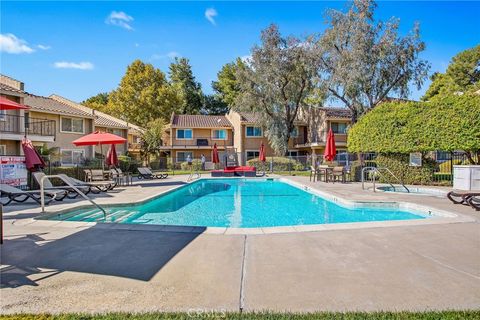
(9, 43)
(119, 19)
(73, 65)
(170, 55)
(210, 14)
(43, 47)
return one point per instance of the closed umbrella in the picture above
(262, 156)
(112, 158)
(98, 139)
(330, 149)
(215, 158)
(33, 160)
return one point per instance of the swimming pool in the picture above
(237, 203)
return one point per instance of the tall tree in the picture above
(226, 87)
(183, 80)
(143, 95)
(98, 102)
(363, 60)
(275, 84)
(152, 137)
(462, 75)
(213, 105)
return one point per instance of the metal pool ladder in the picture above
(65, 179)
(378, 171)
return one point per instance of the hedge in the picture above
(398, 164)
(447, 124)
(279, 164)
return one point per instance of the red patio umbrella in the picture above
(215, 158)
(6, 104)
(33, 160)
(262, 157)
(112, 158)
(330, 149)
(98, 139)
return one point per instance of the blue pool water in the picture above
(242, 203)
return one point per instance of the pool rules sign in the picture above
(415, 159)
(13, 171)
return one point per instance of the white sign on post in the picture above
(415, 159)
(13, 171)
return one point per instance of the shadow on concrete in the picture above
(121, 253)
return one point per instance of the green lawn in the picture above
(443, 315)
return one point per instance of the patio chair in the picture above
(17, 195)
(474, 202)
(458, 197)
(322, 170)
(48, 185)
(146, 173)
(336, 173)
(313, 173)
(94, 187)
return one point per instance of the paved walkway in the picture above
(80, 268)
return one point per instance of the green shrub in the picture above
(279, 164)
(399, 165)
(446, 124)
(196, 164)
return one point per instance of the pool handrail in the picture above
(65, 179)
(377, 170)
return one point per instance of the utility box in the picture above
(466, 177)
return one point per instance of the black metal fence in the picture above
(441, 172)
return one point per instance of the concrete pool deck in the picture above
(67, 267)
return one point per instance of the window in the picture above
(117, 132)
(3, 115)
(182, 155)
(252, 154)
(253, 132)
(3, 150)
(293, 153)
(220, 134)
(73, 125)
(72, 157)
(185, 134)
(338, 127)
(294, 133)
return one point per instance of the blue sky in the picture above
(79, 49)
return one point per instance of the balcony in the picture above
(199, 143)
(14, 127)
(320, 140)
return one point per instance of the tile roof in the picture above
(199, 121)
(48, 105)
(249, 117)
(101, 119)
(6, 87)
(335, 112)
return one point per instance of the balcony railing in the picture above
(320, 138)
(31, 126)
(200, 142)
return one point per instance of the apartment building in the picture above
(56, 122)
(194, 135)
(241, 135)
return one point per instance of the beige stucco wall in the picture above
(64, 140)
(202, 133)
(12, 147)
